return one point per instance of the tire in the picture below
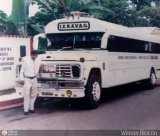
(152, 80)
(93, 92)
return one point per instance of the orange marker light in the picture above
(82, 59)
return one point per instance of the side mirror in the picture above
(42, 46)
(36, 40)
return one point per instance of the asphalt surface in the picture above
(123, 107)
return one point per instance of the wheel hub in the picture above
(153, 78)
(96, 91)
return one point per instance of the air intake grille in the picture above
(64, 71)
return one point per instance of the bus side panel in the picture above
(127, 67)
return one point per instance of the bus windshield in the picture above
(73, 41)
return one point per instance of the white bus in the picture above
(85, 54)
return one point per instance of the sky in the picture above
(6, 6)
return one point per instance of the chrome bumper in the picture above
(63, 89)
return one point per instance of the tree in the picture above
(47, 13)
(149, 16)
(64, 7)
(115, 11)
(19, 15)
(124, 12)
(6, 26)
(37, 22)
(141, 3)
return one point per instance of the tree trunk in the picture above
(62, 2)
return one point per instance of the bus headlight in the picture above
(76, 71)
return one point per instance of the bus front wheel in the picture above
(93, 92)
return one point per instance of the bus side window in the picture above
(118, 44)
(121, 44)
(157, 48)
(111, 43)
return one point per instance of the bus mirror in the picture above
(104, 41)
(42, 45)
(37, 41)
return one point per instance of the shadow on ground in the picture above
(108, 95)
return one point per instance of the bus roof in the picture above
(88, 24)
(70, 25)
(147, 33)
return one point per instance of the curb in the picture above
(4, 105)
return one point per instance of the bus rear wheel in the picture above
(151, 82)
(93, 92)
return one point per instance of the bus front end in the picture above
(61, 79)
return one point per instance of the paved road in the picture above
(124, 107)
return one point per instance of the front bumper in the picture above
(61, 93)
(61, 89)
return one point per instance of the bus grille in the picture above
(64, 71)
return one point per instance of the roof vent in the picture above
(75, 14)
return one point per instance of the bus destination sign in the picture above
(68, 26)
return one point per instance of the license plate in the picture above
(47, 93)
(51, 75)
(48, 75)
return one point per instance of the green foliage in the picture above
(124, 12)
(150, 16)
(141, 3)
(18, 13)
(41, 18)
(119, 10)
(42, 46)
(6, 26)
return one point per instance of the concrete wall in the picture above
(11, 49)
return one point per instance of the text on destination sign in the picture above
(66, 26)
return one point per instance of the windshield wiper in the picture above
(51, 49)
(65, 48)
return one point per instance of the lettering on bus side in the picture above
(152, 57)
(67, 26)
